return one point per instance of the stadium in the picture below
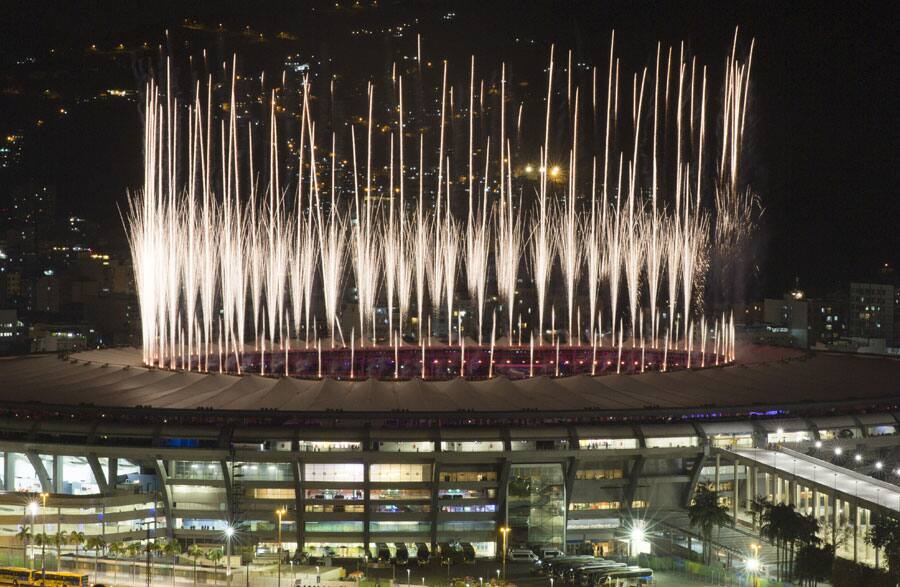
(126, 451)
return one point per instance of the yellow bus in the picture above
(61, 579)
(26, 578)
(15, 576)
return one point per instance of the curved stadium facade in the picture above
(123, 450)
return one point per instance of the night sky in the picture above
(822, 144)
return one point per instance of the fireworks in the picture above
(219, 247)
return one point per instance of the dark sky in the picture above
(825, 113)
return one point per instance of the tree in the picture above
(195, 552)
(786, 528)
(76, 539)
(172, 548)
(214, 556)
(885, 535)
(776, 520)
(133, 549)
(24, 536)
(42, 540)
(95, 543)
(706, 513)
(59, 539)
(814, 563)
(116, 550)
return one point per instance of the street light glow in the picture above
(838, 450)
(752, 565)
(638, 534)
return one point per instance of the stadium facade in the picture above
(126, 451)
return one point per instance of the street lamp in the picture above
(505, 532)
(229, 533)
(751, 565)
(408, 576)
(33, 510)
(280, 512)
(44, 496)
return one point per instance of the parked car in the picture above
(521, 556)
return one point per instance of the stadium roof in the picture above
(114, 378)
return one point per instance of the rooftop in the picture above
(763, 382)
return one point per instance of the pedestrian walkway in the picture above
(869, 491)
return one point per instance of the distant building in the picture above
(871, 314)
(788, 318)
(828, 320)
(11, 333)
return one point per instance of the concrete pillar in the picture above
(9, 472)
(854, 518)
(718, 465)
(736, 497)
(815, 503)
(57, 474)
(748, 491)
(834, 520)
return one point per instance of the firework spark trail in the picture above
(593, 249)
(392, 251)
(542, 249)
(450, 250)
(333, 241)
(568, 233)
(477, 239)
(419, 239)
(405, 245)
(508, 253)
(478, 249)
(614, 253)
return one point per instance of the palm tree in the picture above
(885, 534)
(706, 513)
(76, 539)
(116, 550)
(25, 537)
(133, 549)
(195, 552)
(59, 539)
(214, 556)
(173, 549)
(42, 540)
(95, 543)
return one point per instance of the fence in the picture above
(709, 574)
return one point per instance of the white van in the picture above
(549, 553)
(522, 556)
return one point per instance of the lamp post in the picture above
(229, 534)
(505, 532)
(280, 512)
(44, 496)
(408, 577)
(752, 564)
(32, 509)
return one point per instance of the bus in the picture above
(629, 578)
(15, 576)
(61, 579)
